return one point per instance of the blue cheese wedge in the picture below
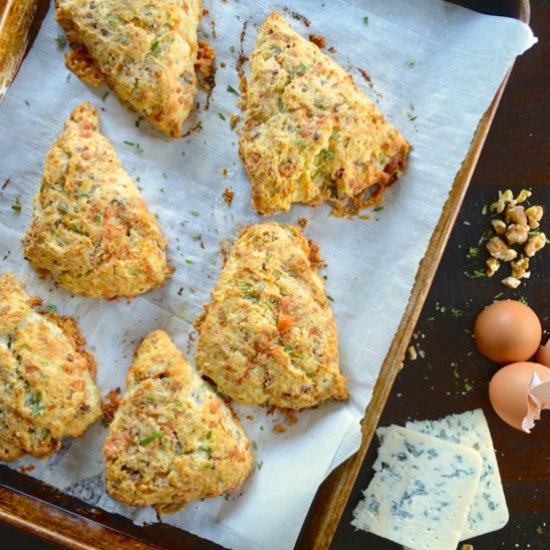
(421, 492)
(488, 511)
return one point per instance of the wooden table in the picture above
(517, 153)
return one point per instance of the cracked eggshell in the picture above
(518, 393)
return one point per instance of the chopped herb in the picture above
(412, 117)
(327, 154)
(318, 103)
(259, 464)
(27, 103)
(499, 295)
(378, 208)
(149, 400)
(477, 274)
(301, 68)
(484, 210)
(299, 141)
(221, 116)
(155, 48)
(16, 206)
(208, 434)
(330, 297)
(36, 403)
(206, 448)
(366, 20)
(50, 308)
(280, 105)
(68, 77)
(130, 143)
(245, 286)
(150, 438)
(534, 233)
(161, 189)
(195, 213)
(411, 105)
(473, 252)
(105, 96)
(254, 445)
(98, 218)
(294, 353)
(411, 62)
(523, 300)
(232, 90)
(188, 261)
(61, 41)
(62, 207)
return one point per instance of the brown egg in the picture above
(543, 355)
(507, 332)
(509, 390)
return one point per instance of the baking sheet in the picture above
(435, 69)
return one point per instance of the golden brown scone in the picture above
(268, 336)
(145, 50)
(47, 388)
(310, 134)
(91, 229)
(173, 440)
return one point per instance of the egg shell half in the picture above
(509, 391)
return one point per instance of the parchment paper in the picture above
(429, 61)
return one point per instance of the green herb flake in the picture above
(294, 353)
(301, 68)
(378, 208)
(330, 297)
(50, 308)
(208, 434)
(260, 464)
(206, 448)
(105, 96)
(98, 218)
(197, 236)
(232, 90)
(61, 41)
(254, 445)
(155, 48)
(477, 274)
(327, 154)
(62, 207)
(220, 115)
(195, 213)
(499, 295)
(411, 105)
(523, 300)
(16, 206)
(411, 62)
(299, 141)
(484, 210)
(189, 261)
(280, 105)
(129, 143)
(151, 438)
(366, 20)
(37, 407)
(412, 117)
(473, 252)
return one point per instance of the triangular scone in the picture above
(47, 388)
(91, 229)
(268, 336)
(172, 440)
(310, 134)
(145, 50)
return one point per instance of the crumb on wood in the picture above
(279, 428)
(411, 351)
(302, 222)
(205, 67)
(318, 40)
(225, 171)
(314, 256)
(234, 120)
(110, 404)
(27, 469)
(228, 195)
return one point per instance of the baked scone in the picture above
(268, 336)
(144, 50)
(90, 228)
(47, 388)
(310, 134)
(172, 440)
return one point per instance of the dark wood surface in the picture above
(517, 153)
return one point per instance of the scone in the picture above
(268, 336)
(47, 388)
(145, 50)
(310, 134)
(90, 228)
(172, 440)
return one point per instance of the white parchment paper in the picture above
(435, 68)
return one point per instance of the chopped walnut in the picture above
(499, 250)
(511, 282)
(499, 226)
(411, 350)
(517, 233)
(523, 195)
(520, 268)
(515, 214)
(493, 266)
(504, 198)
(534, 215)
(534, 244)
